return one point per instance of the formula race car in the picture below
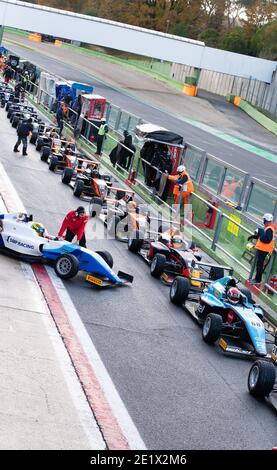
(43, 137)
(170, 255)
(75, 164)
(225, 312)
(99, 191)
(55, 154)
(23, 239)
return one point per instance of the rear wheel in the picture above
(78, 188)
(135, 242)
(66, 266)
(261, 379)
(179, 290)
(95, 206)
(33, 138)
(157, 265)
(67, 175)
(212, 328)
(107, 257)
(44, 153)
(39, 144)
(15, 122)
(53, 163)
(216, 273)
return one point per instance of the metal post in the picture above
(217, 231)
(269, 267)
(117, 121)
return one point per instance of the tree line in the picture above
(243, 26)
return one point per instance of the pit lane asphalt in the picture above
(253, 164)
(181, 393)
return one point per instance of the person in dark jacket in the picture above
(74, 224)
(8, 74)
(125, 156)
(60, 118)
(24, 129)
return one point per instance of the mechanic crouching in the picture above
(74, 224)
(265, 244)
(24, 129)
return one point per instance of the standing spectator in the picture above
(265, 244)
(125, 156)
(77, 107)
(25, 80)
(24, 129)
(8, 74)
(103, 129)
(60, 118)
(18, 90)
(74, 224)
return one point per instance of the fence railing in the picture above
(227, 239)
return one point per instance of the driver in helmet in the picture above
(233, 295)
(42, 232)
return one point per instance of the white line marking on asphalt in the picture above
(119, 410)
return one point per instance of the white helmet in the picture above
(268, 217)
(181, 168)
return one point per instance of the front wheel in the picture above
(261, 379)
(179, 290)
(53, 163)
(66, 266)
(78, 188)
(44, 153)
(33, 138)
(157, 265)
(106, 257)
(15, 122)
(67, 175)
(212, 328)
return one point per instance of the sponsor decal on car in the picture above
(94, 280)
(18, 243)
(222, 343)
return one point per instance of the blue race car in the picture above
(19, 237)
(225, 312)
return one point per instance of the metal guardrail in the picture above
(229, 236)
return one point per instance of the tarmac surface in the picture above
(156, 102)
(180, 393)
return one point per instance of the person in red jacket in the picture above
(74, 224)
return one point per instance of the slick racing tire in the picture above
(33, 138)
(112, 224)
(67, 175)
(216, 273)
(106, 257)
(179, 290)
(53, 163)
(212, 328)
(157, 265)
(95, 206)
(8, 105)
(78, 188)
(66, 266)
(39, 144)
(44, 153)
(9, 113)
(15, 122)
(135, 242)
(261, 379)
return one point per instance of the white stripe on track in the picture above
(119, 410)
